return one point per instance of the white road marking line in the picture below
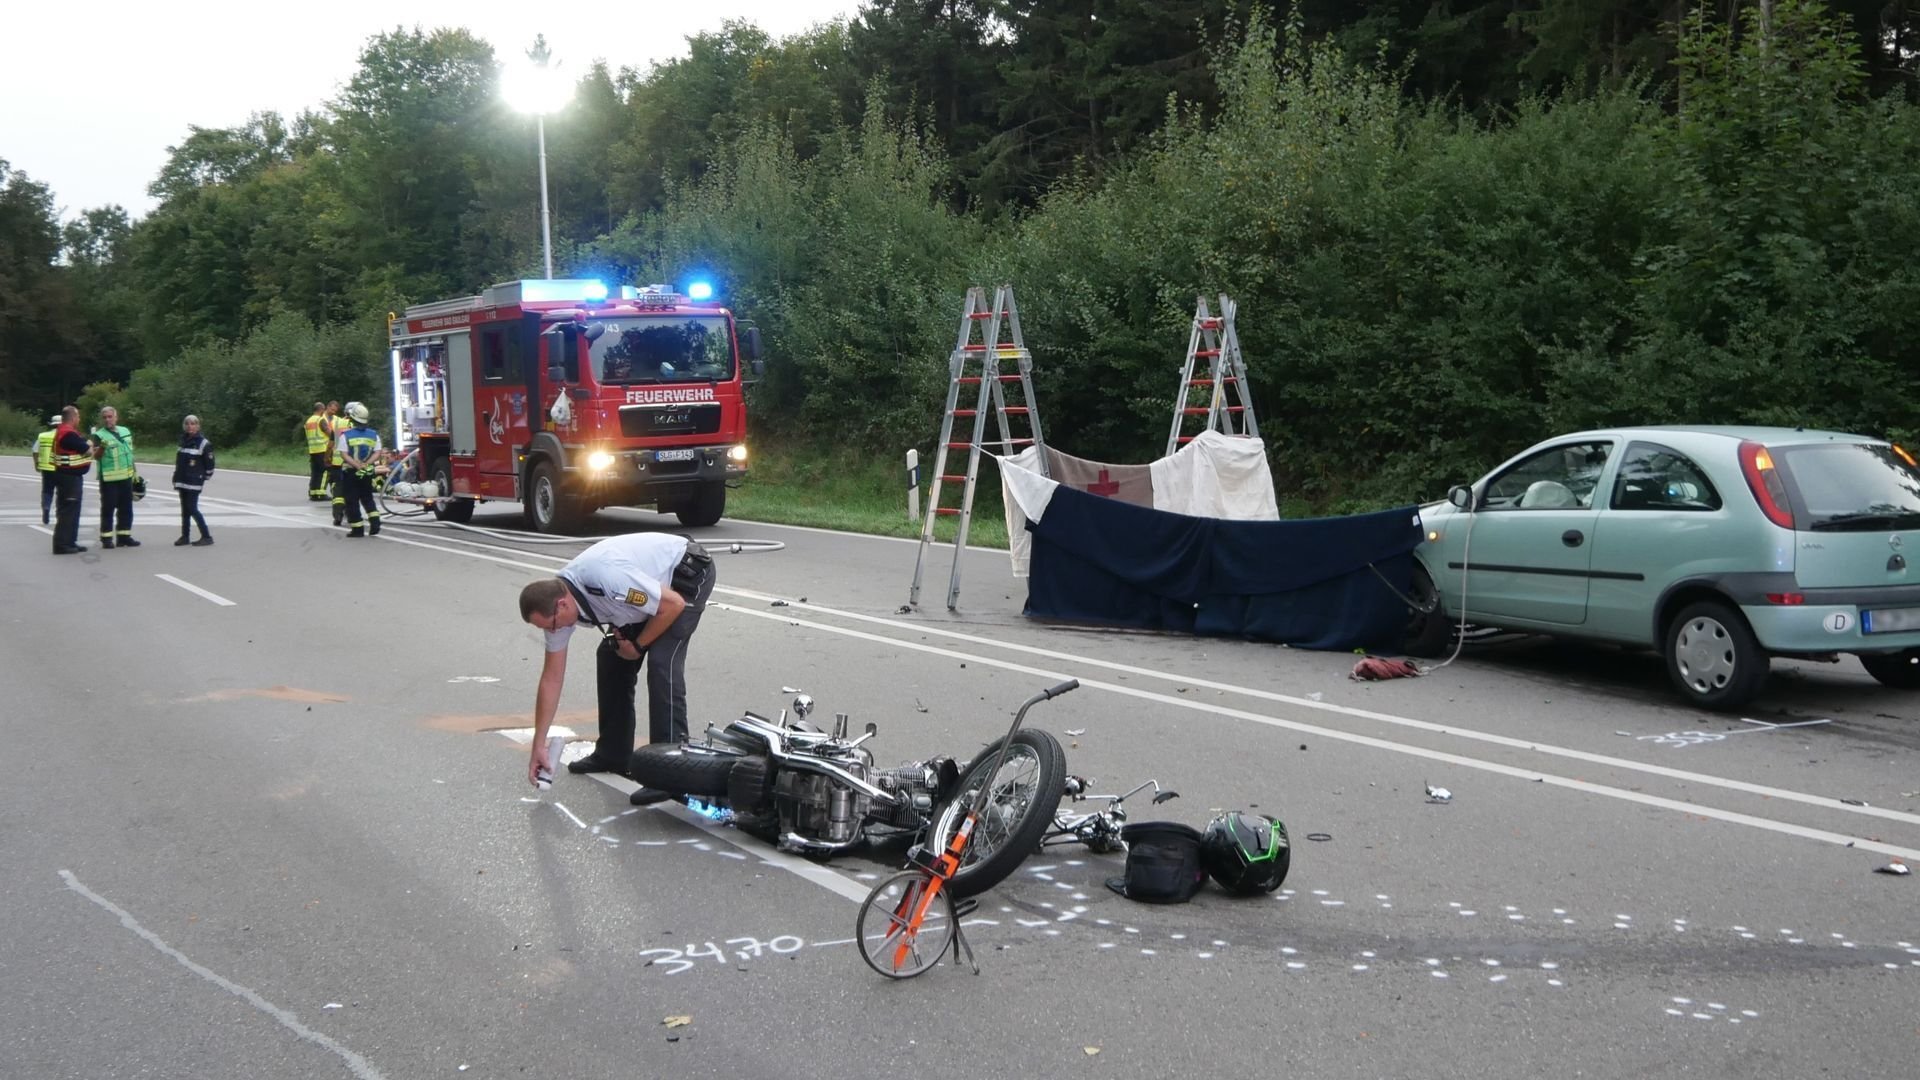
(1531, 775)
(41, 529)
(360, 1066)
(1822, 801)
(562, 808)
(196, 590)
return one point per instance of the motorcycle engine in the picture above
(819, 807)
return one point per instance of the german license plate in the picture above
(674, 455)
(1890, 621)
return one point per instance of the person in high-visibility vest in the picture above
(43, 461)
(319, 447)
(72, 457)
(336, 424)
(359, 448)
(113, 449)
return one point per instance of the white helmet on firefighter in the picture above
(356, 412)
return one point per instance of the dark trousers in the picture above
(69, 486)
(48, 485)
(666, 662)
(116, 509)
(357, 491)
(190, 513)
(316, 475)
(333, 484)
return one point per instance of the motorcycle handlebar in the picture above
(1070, 684)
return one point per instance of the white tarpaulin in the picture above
(1215, 475)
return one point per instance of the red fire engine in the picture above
(567, 397)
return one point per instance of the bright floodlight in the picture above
(531, 88)
(699, 290)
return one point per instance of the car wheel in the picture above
(1429, 632)
(1713, 657)
(1899, 670)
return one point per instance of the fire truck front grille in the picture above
(639, 421)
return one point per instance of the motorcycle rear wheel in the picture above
(888, 941)
(684, 771)
(1026, 790)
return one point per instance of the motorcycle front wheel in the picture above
(1024, 792)
(889, 940)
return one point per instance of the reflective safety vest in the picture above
(319, 434)
(43, 451)
(69, 462)
(116, 453)
(335, 426)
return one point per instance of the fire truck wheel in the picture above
(458, 511)
(548, 508)
(704, 507)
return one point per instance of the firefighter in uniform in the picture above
(358, 450)
(43, 461)
(644, 592)
(336, 425)
(72, 455)
(113, 449)
(319, 433)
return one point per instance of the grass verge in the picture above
(837, 489)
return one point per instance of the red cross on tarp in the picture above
(1104, 486)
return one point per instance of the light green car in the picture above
(1718, 547)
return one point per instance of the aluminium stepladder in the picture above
(1229, 407)
(976, 363)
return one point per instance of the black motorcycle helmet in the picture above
(1247, 854)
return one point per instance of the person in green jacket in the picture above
(113, 449)
(43, 461)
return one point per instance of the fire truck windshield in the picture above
(665, 348)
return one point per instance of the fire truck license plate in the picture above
(674, 455)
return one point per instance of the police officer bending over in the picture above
(644, 592)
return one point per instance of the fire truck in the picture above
(566, 396)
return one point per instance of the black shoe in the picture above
(592, 763)
(182, 542)
(44, 520)
(71, 549)
(647, 796)
(204, 541)
(374, 530)
(107, 544)
(356, 534)
(128, 541)
(339, 516)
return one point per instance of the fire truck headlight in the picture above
(737, 454)
(599, 461)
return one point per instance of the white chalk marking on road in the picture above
(524, 735)
(562, 808)
(195, 590)
(41, 529)
(360, 1066)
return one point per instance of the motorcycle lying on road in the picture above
(819, 793)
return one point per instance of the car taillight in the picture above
(1764, 481)
(1787, 599)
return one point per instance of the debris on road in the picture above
(677, 1021)
(1375, 668)
(904, 609)
(1090, 1050)
(332, 1005)
(1894, 867)
(1076, 731)
(1854, 802)
(778, 603)
(1437, 794)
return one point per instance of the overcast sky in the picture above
(91, 96)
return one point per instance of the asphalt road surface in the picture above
(265, 817)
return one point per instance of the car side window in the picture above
(1655, 477)
(1558, 478)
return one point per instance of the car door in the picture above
(1527, 559)
(1664, 521)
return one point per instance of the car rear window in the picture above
(1851, 487)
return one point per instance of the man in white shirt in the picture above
(644, 592)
